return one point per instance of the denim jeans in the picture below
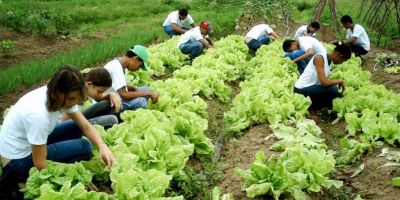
(138, 102)
(101, 113)
(64, 144)
(254, 44)
(194, 49)
(168, 30)
(302, 64)
(321, 97)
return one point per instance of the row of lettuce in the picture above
(267, 97)
(151, 145)
(369, 111)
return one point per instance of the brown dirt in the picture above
(240, 153)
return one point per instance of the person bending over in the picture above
(315, 83)
(301, 50)
(307, 30)
(259, 35)
(196, 39)
(29, 135)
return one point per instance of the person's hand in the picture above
(92, 187)
(341, 86)
(154, 97)
(115, 102)
(337, 42)
(106, 156)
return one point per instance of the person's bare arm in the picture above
(350, 41)
(127, 95)
(193, 25)
(39, 156)
(178, 29)
(205, 43)
(325, 81)
(106, 156)
(308, 53)
(274, 35)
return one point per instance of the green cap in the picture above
(143, 54)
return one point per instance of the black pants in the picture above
(358, 50)
(321, 97)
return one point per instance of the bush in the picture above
(304, 5)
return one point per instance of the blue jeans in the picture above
(138, 102)
(194, 49)
(64, 144)
(321, 97)
(168, 30)
(254, 44)
(302, 64)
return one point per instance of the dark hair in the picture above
(343, 50)
(66, 79)
(183, 11)
(346, 19)
(287, 44)
(100, 77)
(130, 54)
(315, 25)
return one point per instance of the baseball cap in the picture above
(207, 25)
(143, 54)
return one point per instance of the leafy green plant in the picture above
(8, 47)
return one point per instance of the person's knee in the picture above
(86, 149)
(142, 103)
(198, 46)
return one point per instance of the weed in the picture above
(8, 47)
(192, 183)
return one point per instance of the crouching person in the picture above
(29, 135)
(132, 97)
(315, 83)
(192, 42)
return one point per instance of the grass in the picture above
(52, 17)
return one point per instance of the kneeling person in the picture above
(194, 40)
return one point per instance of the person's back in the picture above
(356, 37)
(307, 30)
(307, 42)
(257, 36)
(362, 37)
(309, 76)
(258, 31)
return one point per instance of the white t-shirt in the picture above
(28, 123)
(302, 32)
(190, 36)
(307, 42)
(362, 37)
(310, 76)
(173, 18)
(117, 74)
(258, 31)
